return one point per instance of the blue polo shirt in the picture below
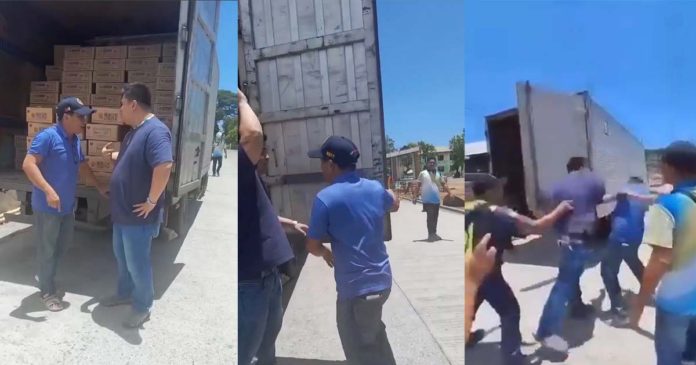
(60, 165)
(586, 191)
(351, 213)
(142, 149)
(629, 215)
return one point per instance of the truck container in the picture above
(310, 69)
(530, 145)
(189, 27)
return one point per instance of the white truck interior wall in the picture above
(555, 133)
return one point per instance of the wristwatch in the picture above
(150, 201)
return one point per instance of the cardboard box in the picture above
(145, 51)
(20, 142)
(100, 164)
(79, 53)
(34, 128)
(165, 83)
(54, 73)
(37, 98)
(106, 116)
(111, 64)
(59, 53)
(142, 76)
(165, 97)
(169, 50)
(105, 132)
(84, 98)
(28, 142)
(109, 76)
(105, 100)
(133, 64)
(103, 178)
(166, 69)
(111, 52)
(95, 147)
(77, 76)
(109, 88)
(45, 86)
(40, 115)
(81, 88)
(78, 65)
(83, 146)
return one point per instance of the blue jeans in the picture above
(566, 289)
(260, 317)
(671, 337)
(132, 250)
(53, 235)
(615, 254)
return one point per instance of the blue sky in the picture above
(422, 62)
(227, 45)
(637, 59)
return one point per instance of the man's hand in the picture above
(327, 255)
(301, 228)
(108, 152)
(143, 209)
(566, 206)
(53, 200)
(482, 261)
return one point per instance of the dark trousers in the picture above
(260, 318)
(496, 291)
(690, 352)
(217, 164)
(362, 332)
(432, 212)
(616, 253)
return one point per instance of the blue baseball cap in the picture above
(72, 105)
(340, 150)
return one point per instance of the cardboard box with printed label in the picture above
(77, 77)
(105, 132)
(43, 99)
(40, 115)
(106, 116)
(165, 83)
(78, 65)
(84, 98)
(135, 64)
(79, 53)
(110, 64)
(145, 51)
(95, 147)
(166, 69)
(165, 97)
(100, 164)
(45, 86)
(54, 73)
(103, 178)
(114, 88)
(109, 76)
(169, 50)
(111, 52)
(59, 53)
(142, 76)
(77, 88)
(105, 100)
(34, 128)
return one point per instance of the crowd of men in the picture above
(664, 219)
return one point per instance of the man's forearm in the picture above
(652, 275)
(160, 178)
(87, 172)
(250, 132)
(34, 174)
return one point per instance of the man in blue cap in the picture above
(351, 212)
(52, 164)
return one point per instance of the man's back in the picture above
(586, 190)
(352, 210)
(629, 214)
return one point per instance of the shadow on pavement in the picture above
(294, 361)
(89, 269)
(33, 304)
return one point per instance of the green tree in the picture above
(390, 145)
(226, 104)
(232, 132)
(407, 146)
(456, 145)
(427, 150)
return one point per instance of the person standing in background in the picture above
(430, 182)
(218, 151)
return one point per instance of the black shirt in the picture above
(262, 243)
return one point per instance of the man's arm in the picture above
(250, 131)
(537, 226)
(395, 201)
(30, 166)
(88, 174)
(160, 178)
(319, 228)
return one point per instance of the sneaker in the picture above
(114, 300)
(136, 319)
(619, 318)
(555, 343)
(475, 337)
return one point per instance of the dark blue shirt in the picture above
(351, 213)
(586, 191)
(628, 219)
(262, 243)
(60, 166)
(143, 149)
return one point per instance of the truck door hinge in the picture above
(178, 104)
(184, 36)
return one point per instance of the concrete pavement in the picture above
(531, 275)
(424, 314)
(194, 316)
